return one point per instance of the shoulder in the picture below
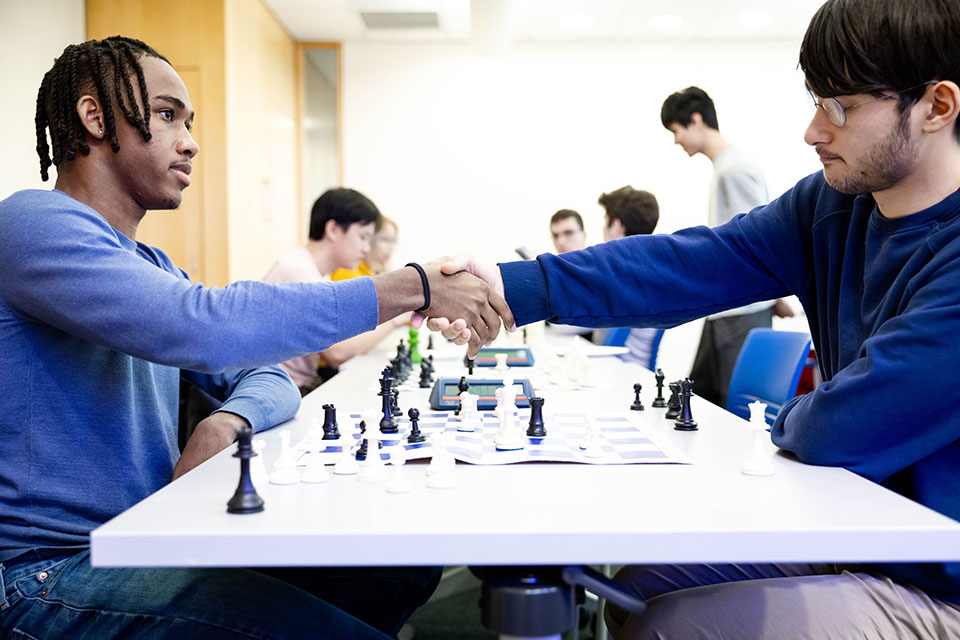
(734, 161)
(296, 266)
(158, 257)
(44, 217)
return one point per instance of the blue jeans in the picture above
(65, 597)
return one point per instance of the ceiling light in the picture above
(754, 19)
(666, 21)
(577, 21)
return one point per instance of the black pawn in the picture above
(637, 405)
(430, 342)
(361, 453)
(415, 434)
(395, 409)
(425, 381)
(536, 428)
(685, 421)
(673, 404)
(245, 499)
(462, 386)
(659, 402)
(330, 430)
(470, 364)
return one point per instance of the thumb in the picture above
(456, 264)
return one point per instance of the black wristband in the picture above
(426, 286)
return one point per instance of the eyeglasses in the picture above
(837, 113)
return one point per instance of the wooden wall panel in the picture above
(191, 35)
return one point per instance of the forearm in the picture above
(212, 435)
(398, 292)
(74, 272)
(859, 420)
(264, 396)
(665, 280)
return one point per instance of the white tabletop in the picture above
(533, 513)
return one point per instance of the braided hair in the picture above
(89, 68)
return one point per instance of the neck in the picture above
(713, 143)
(934, 177)
(320, 251)
(86, 182)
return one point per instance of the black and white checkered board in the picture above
(625, 440)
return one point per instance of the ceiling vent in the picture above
(400, 19)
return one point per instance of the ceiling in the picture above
(525, 21)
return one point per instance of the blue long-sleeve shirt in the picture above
(95, 333)
(883, 300)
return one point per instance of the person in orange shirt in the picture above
(343, 225)
(377, 259)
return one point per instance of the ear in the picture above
(91, 115)
(332, 230)
(943, 106)
(696, 120)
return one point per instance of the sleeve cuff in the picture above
(525, 289)
(357, 307)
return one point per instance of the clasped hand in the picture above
(467, 302)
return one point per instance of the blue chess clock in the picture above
(445, 395)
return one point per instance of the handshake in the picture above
(458, 297)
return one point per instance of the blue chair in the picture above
(767, 369)
(618, 338)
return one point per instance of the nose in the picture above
(187, 145)
(819, 131)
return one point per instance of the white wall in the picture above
(472, 153)
(32, 34)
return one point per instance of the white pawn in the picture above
(347, 464)
(398, 481)
(440, 473)
(594, 446)
(501, 368)
(372, 469)
(258, 469)
(758, 461)
(285, 467)
(315, 473)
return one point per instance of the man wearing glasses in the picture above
(871, 246)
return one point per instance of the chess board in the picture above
(626, 440)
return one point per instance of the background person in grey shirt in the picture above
(737, 187)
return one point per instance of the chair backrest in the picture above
(767, 369)
(654, 348)
(616, 337)
(642, 343)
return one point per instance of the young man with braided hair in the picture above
(97, 330)
(871, 246)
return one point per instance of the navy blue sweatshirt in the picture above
(883, 300)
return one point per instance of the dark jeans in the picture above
(719, 347)
(65, 597)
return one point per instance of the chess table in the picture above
(533, 513)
